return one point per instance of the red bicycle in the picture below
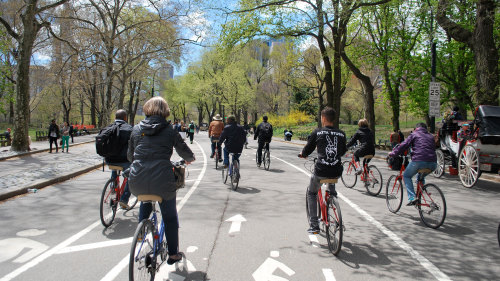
(430, 203)
(370, 175)
(329, 214)
(110, 197)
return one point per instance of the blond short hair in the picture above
(156, 106)
(363, 122)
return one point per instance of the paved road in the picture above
(56, 234)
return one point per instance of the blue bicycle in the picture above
(148, 243)
(232, 171)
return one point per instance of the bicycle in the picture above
(148, 242)
(111, 195)
(216, 156)
(329, 214)
(266, 156)
(234, 169)
(430, 199)
(370, 175)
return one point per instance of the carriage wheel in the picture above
(440, 164)
(468, 166)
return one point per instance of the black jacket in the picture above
(151, 145)
(365, 137)
(125, 132)
(54, 127)
(330, 144)
(260, 136)
(234, 138)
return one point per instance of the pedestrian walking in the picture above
(65, 137)
(190, 131)
(71, 132)
(53, 135)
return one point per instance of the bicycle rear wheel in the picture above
(394, 193)
(267, 160)
(349, 176)
(257, 157)
(374, 180)
(141, 263)
(109, 203)
(132, 201)
(216, 157)
(225, 174)
(235, 175)
(334, 227)
(431, 206)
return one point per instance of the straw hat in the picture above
(217, 117)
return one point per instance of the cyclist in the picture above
(214, 131)
(331, 146)
(423, 155)
(120, 159)
(264, 133)
(151, 145)
(233, 136)
(367, 147)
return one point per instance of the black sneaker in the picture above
(313, 230)
(212, 156)
(412, 202)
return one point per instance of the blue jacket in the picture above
(422, 146)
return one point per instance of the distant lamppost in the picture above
(153, 86)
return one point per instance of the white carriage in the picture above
(472, 147)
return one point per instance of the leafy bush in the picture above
(293, 119)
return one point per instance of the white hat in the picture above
(217, 117)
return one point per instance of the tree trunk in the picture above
(368, 89)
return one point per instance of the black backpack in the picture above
(107, 142)
(265, 130)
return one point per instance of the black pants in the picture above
(71, 137)
(191, 136)
(259, 150)
(53, 140)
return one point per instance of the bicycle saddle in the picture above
(328, 181)
(424, 171)
(150, 197)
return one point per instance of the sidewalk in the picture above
(38, 168)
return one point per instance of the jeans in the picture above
(236, 157)
(411, 170)
(219, 148)
(65, 140)
(126, 193)
(53, 140)
(259, 151)
(312, 198)
(169, 214)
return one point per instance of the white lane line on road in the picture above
(429, 266)
(328, 273)
(124, 262)
(95, 245)
(314, 240)
(50, 252)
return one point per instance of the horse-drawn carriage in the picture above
(472, 147)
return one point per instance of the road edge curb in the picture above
(46, 183)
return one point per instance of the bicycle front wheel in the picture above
(235, 176)
(394, 193)
(108, 204)
(431, 206)
(141, 263)
(349, 176)
(334, 227)
(374, 181)
(267, 160)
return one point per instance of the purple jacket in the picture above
(422, 146)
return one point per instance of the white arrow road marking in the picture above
(236, 223)
(266, 270)
(124, 262)
(430, 267)
(328, 273)
(314, 240)
(275, 254)
(11, 247)
(175, 272)
(95, 245)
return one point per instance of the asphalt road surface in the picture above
(257, 232)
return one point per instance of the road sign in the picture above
(434, 99)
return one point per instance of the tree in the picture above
(481, 41)
(33, 18)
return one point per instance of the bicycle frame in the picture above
(157, 235)
(322, 204)
(420, 184)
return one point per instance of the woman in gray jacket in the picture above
(150, 148)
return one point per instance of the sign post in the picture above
(434, 99)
